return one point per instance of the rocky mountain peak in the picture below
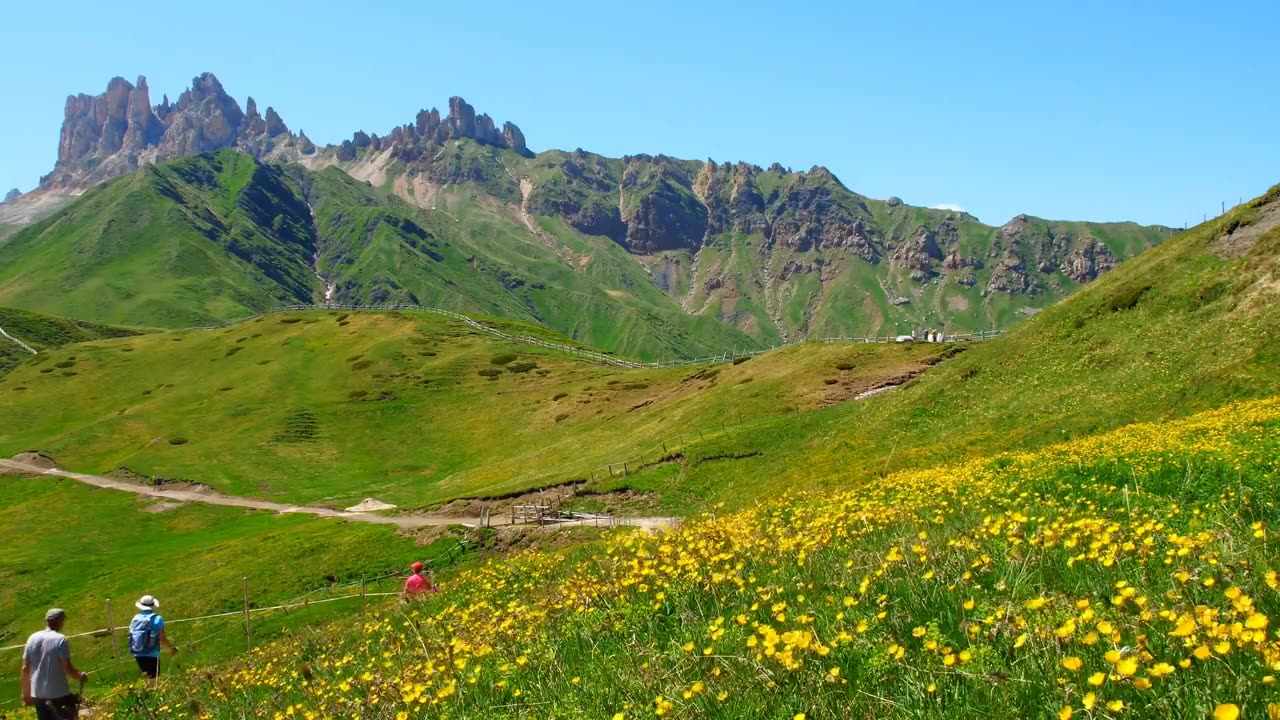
(462, 117)
(204, 118)
(253, 122)
(15, 192)
(514, 139)
(115, 132)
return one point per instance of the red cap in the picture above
(417, 567)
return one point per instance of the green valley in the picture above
(258, 377)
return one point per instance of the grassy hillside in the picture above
(208, 237)
(1126, 575)
(468, 253)
(328, 407)
(220, 236)
(71, 546)
(1186, 327)
(42, 332)
(312, 407)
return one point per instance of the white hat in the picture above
(147, 603)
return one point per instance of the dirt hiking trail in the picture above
(213, 497)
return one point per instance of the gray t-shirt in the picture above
(45, 652)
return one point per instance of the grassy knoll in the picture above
(43, 332)
(1122, 575)
(1188, 326)
(328, 407)
(71, 546)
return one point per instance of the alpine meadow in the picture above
(431, 423)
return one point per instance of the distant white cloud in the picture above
(949, 206)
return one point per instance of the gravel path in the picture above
(212, 497)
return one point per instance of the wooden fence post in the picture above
(625, 471)
(363, 599)
(248, 624)
(111, 628)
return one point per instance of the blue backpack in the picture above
(143, 637)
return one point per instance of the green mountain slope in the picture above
(785, 255)
(1188, 326)
(475, 255)
(646, 256)
(202, 238)
(42, 333)
(221, 236)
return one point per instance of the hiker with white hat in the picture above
(46, 665)
(146, 635)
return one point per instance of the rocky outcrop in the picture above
(919, 254)
(1011, 276)
(204, 118)
(514, 139)
(1088, 261)
(254, 124)
(104, 135)
(814, 211)
(661, 210)
(462, 118)
(12, 194)
(115, 132)
(275, 125)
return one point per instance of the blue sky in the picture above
(1150, 111)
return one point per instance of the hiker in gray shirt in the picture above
(46, 665)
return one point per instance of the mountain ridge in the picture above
(772, 253)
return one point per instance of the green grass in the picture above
(1117, 352)
(43, 333)
(329, 407)
(71, 546)
(203, 238)
(1174, 331)
(1013, 586)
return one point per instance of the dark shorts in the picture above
(66, 708)
(150, 666)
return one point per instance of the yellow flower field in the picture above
(1127, 575)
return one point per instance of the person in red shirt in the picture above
(417, 583)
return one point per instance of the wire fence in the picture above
(604, 358)
(21, 344)
(369, 587)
